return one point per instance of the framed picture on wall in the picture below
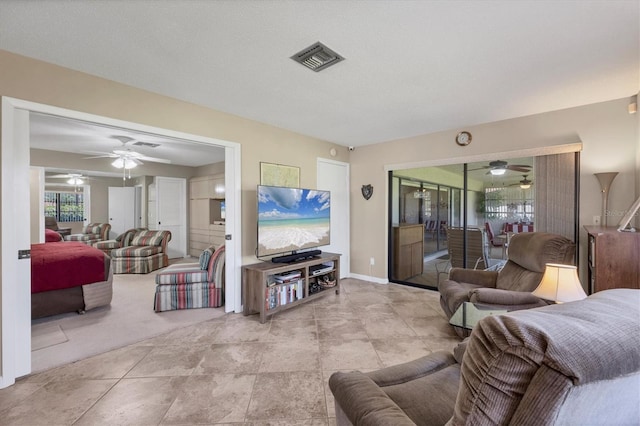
(279, 175)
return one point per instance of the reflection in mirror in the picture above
(500, 200)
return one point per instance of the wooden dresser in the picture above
(408, 252)
(613, 257)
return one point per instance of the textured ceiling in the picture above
(60, 134)
(411, 67)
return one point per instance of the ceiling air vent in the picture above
(147, 144)
(317, 57)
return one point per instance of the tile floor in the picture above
(234, 370)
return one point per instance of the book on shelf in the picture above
(283, 294)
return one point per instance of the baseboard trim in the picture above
(369, 278)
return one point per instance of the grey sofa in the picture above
(510, 289)
(576, 363)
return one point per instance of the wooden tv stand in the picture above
(264, 294)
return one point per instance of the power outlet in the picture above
(596, 220)
(372, 261)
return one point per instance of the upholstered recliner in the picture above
(192, 285)
(575, 363)
(91, 233)
(511, 287)
(141, 252)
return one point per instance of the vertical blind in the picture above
(556, 194)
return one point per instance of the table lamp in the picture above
(560, 283)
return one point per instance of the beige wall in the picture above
(41, 82)
(610, 143)
(209, 170)
(609, 136)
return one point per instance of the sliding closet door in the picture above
(556, 194)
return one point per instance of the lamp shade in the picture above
(498, 171)
(560, 283)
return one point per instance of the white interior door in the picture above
(171, 207)
(122, 209)
(334, 176)
(15, 298)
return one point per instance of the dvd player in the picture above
(320, 269)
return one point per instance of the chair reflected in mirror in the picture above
(477, 250)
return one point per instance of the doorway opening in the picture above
(16, 322)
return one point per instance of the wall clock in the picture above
(463, 138)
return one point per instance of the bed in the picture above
(68, 277)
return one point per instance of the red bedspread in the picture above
(66, 264)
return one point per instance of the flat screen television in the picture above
(292, 219)
(217, 211)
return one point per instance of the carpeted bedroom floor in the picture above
(65, 338)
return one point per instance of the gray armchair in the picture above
(568, 364)
(511, 287)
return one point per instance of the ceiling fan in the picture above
(499, 167)
(524, 183)
(73, 178)
(125, 157)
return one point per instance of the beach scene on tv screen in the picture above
(291, 219)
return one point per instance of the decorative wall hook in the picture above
(367, 191)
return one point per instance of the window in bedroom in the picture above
(64, 206)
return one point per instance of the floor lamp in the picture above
(605, 180)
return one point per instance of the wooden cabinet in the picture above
(614, 259)
(268, 288)
(408, 251)
(207, 187)
(206, 224)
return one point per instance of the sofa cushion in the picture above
(148, 238)
(136, 251)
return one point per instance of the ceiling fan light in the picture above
(75, 181)
(525, 186)
(129, 163)
(118, 163)
(498, 171)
